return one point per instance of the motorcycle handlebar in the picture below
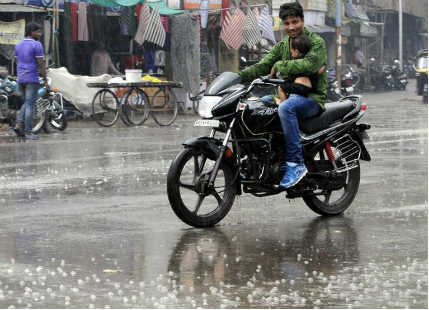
(272, 81)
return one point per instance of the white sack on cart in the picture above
(74, 89)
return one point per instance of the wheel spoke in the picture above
(217, 196)
(196, 169)
(187, 186)
(199, 202)
(203, 162)
(327, 197)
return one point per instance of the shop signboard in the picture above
(195, 4)
(12, 32)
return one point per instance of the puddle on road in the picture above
(302, 264)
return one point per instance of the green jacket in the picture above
(281, 59)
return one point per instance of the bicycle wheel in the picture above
(164, 107)
(105, 108)
(135, 106)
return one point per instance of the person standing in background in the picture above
(30, 65)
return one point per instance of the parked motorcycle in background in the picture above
(10, 101)
(380, 76)
(349, 80)
(48, 109)
(400, 79)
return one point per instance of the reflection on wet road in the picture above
(86, 224)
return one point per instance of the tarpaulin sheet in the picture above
(74, 89)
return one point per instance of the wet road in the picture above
(85, 223)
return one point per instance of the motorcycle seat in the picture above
(335, 111)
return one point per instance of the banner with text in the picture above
(12, 32)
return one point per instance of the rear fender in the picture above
(358, 135)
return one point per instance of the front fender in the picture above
(212, 147)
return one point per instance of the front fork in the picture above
(223, 148)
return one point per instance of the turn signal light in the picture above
(54, 90)
(228, 153)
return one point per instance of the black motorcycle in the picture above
(380, 76)
(245, 152)
(400, 79)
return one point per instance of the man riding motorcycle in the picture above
(295, 107)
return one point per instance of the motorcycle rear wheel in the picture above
(184, 183)
(343, 197)
(58, 121)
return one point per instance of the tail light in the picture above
(347, 83)
(363, 107)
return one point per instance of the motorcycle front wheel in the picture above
(334, 202)
(190, 196)
(39, 122)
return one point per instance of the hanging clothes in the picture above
(251, 33)
(128, 22)
(155, 32)
(225, 5)
(144, 16)
(160, 58)
(164, 21)
(83, 34)
(185, 48)
(232, 29)
(265, 22)
(73, 8)
(204, 13)
(96, 22)
(47, 28)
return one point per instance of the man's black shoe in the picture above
(19, 132)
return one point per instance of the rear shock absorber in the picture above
(331, 156)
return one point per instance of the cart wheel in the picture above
(135, 107)
(164, 107)
(105, 108)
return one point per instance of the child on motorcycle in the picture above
(300, 85)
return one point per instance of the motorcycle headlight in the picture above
(206, 105)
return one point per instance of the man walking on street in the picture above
(279, 60)
(30, 64)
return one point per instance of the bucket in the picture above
(133, 75)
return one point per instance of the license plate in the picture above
(349, 89)
(206, 123)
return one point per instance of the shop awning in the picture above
(163, 9)
(320, 28)
(20, 8)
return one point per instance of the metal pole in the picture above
(338, 66)
(400, 34)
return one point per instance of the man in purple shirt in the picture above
(30, 63)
